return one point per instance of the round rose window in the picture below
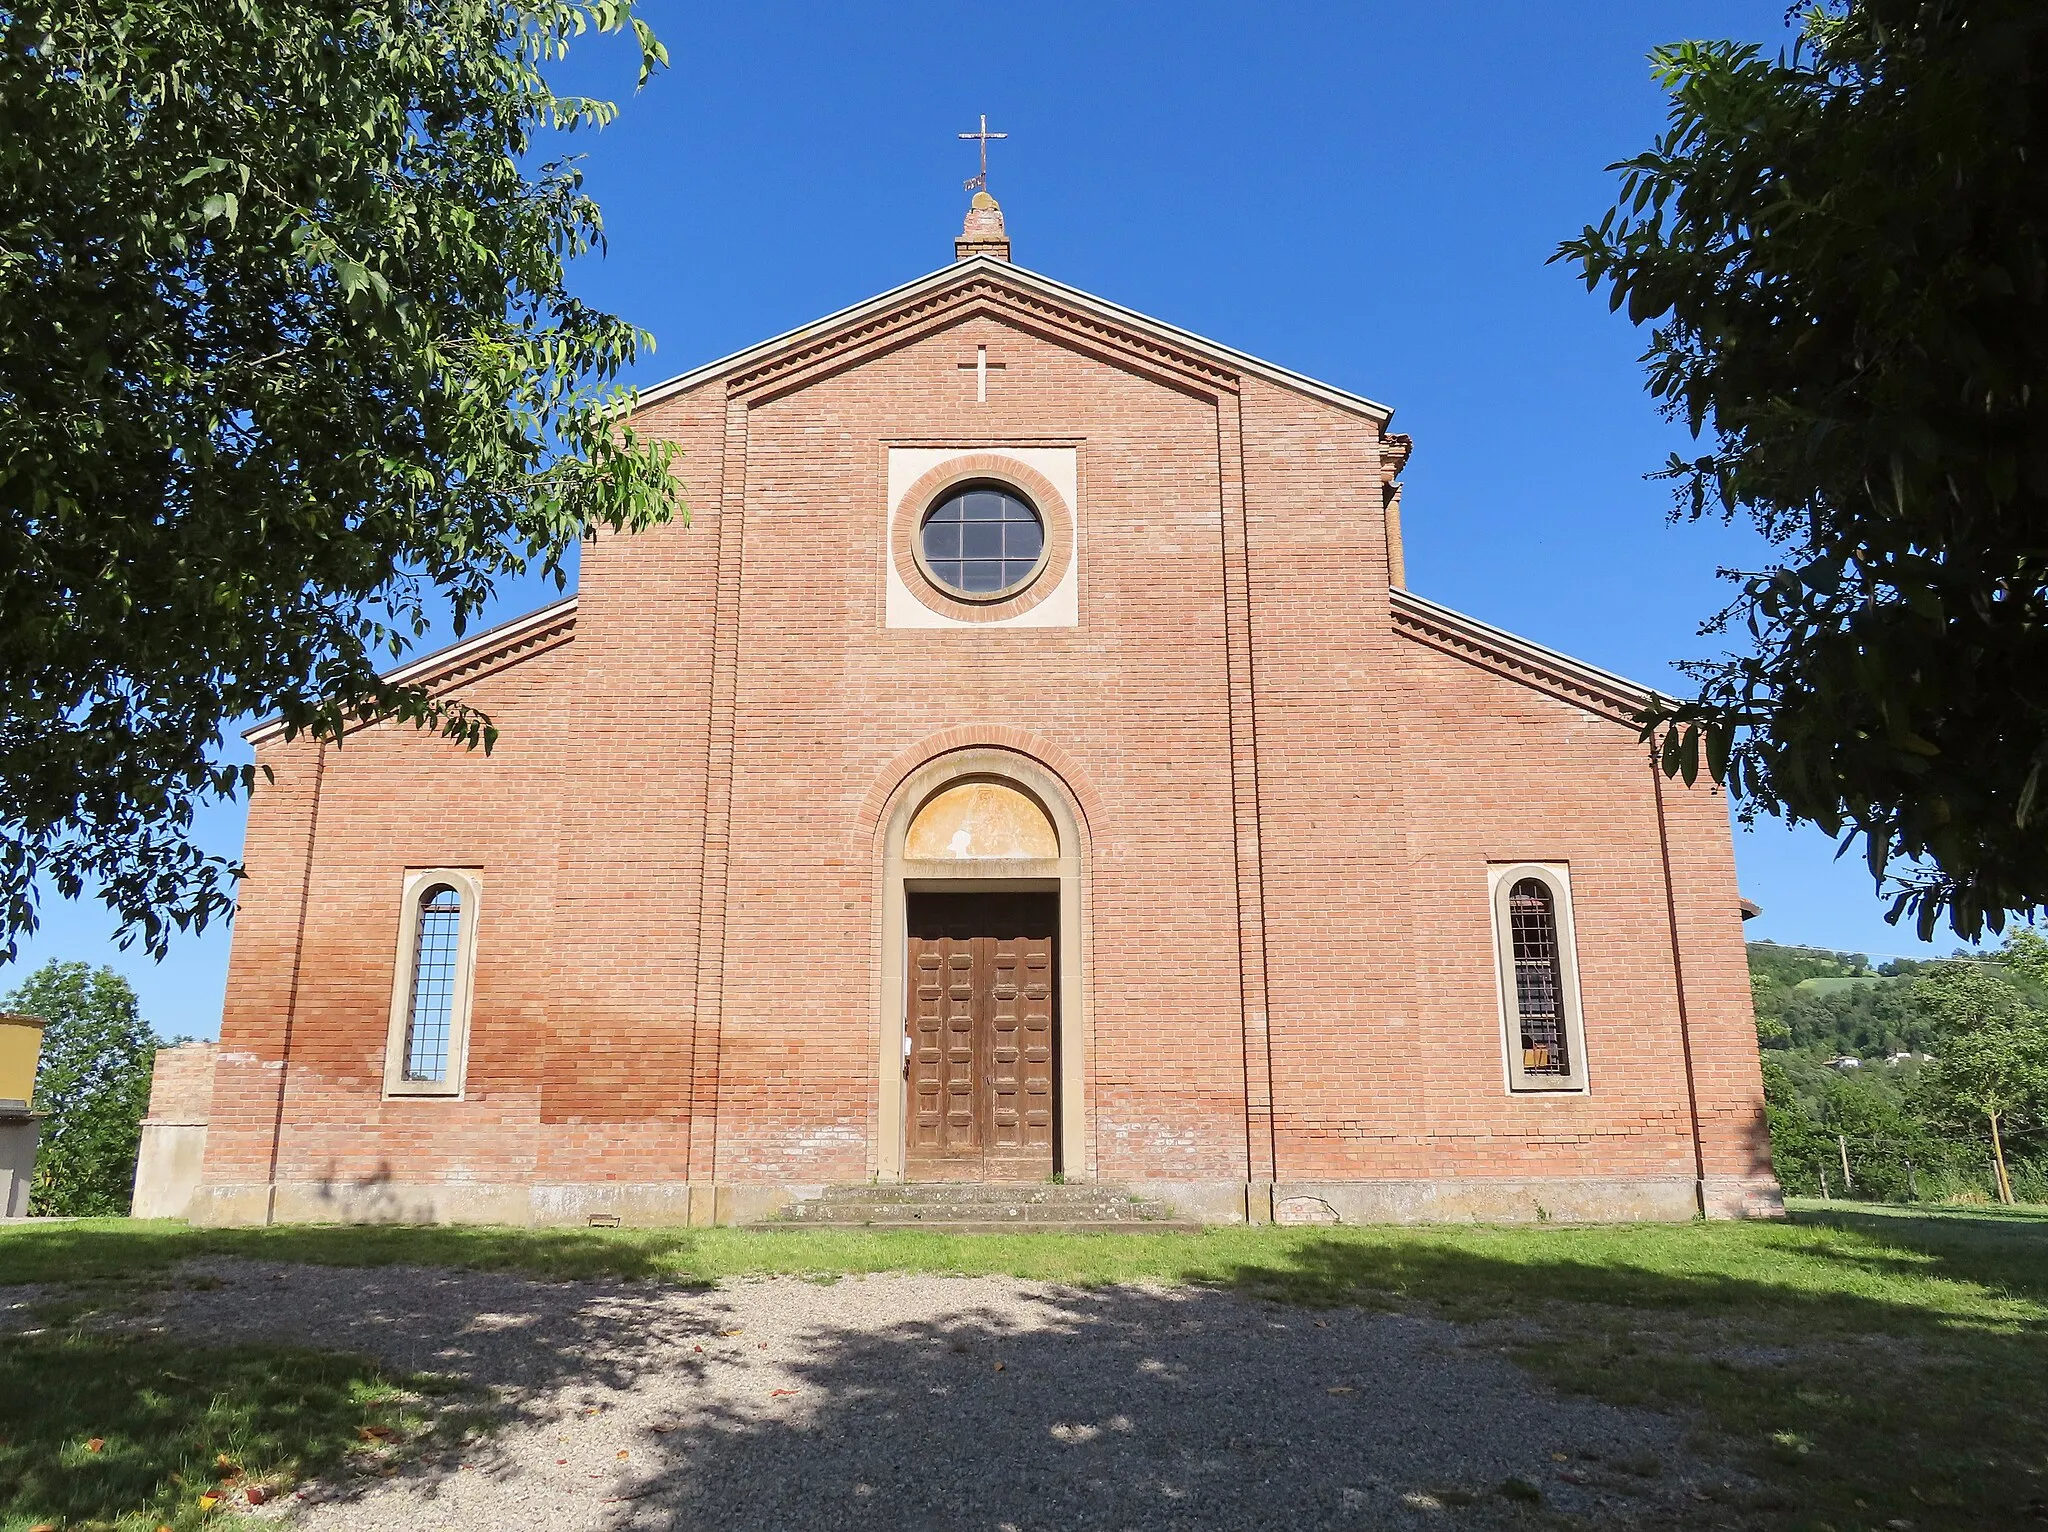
(982, 541)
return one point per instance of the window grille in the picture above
(430, 1018)
(1539, 978)
(983, 540)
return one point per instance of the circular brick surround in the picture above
(1053, 511)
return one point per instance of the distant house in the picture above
(1845, 1061)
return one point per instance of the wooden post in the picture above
(1998, 1162)
(1848, 1181)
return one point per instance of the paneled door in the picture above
(982, 998)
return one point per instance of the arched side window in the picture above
(437, 945)
(1539, 981)
(428, 1047)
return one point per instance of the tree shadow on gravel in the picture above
(1128, 1408)
(1899, 1377)
(1281, 1392)
(923, 1402)
(1295, 1379)
(123, 1403)
(523, 1338)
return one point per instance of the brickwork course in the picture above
(1290, 776)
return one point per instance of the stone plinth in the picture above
(19, 1133)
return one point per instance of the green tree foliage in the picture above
(1992, 1064)
(93, 1082)
(288, 367)
(1915, 1125)
(1799, 1149)
(1893, 1152)
(1842, 253)
(1830, 1003)
(1865, 1021)
(2025, 956)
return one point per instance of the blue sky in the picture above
(1365, 193)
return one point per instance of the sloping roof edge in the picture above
(982, 265)
(1453, 630)
(476, 653)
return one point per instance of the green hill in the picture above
(1897, 1122)
(1835, 985)
(1818, 1003)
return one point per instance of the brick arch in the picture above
(1087, 803)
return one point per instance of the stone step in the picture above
(934, 1193)
(953, 1212)
(962, 1206)
(1006, 1226)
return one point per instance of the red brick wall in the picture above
(1333, 838)
(1498, 771)
(621, 986)
(181, 1084)
(391, 799)
(1720, 1016)
(827, 697)
(1291, 807)
(263, 966)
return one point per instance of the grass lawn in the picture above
(1871, 1365)
(111, 1431)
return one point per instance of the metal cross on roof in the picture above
(980, 182)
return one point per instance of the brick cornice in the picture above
(1518, 659)
(1079, 321)
(479, 655)
(977, 295)
(1021, 296)
(829, 351)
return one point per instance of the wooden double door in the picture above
(983, 982)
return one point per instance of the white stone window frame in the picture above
(1053, 590)
(1556, 876)
(469, 886)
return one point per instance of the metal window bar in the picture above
(1539, 978)
(982, 540)
(430, 1017)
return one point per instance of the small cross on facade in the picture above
(980, 182)
(981, 367)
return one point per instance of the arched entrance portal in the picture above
(982, 1038)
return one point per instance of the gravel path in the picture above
(947, 1402)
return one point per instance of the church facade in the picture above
(1027, 762)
